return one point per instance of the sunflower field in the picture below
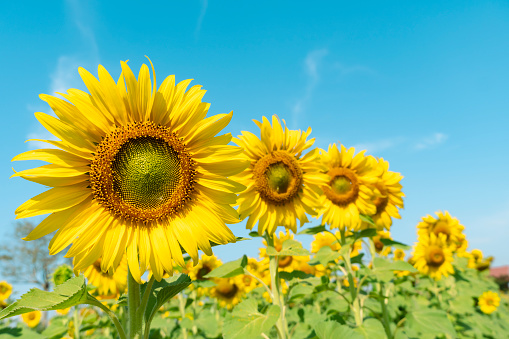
(140, 182)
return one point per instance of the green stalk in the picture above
(386, 321)
(133, 303)
(277, 298)
(182, 308)
(94, 302)
(76, 323)
(356, 304)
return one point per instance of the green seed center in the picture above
(279, 177)
(341, 185)
(146, 172)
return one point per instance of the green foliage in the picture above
(246, 321)
(70, 293)
(230, 269)
(290, 248)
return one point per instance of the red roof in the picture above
(499, 271)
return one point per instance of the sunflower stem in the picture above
(146, 296)
(94, 302)
(277, 299)
(133, 303)
(76, 323)
(386, 321)
(356, 305)
(182, 309)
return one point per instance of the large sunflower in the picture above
(282, 183)
(107, 286)
(388, 196)
(443, 224)
(433, 257)
(138, 170)
(350, 188)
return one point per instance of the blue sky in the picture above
(422, 84)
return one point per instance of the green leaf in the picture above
(367, 219)
(122, 300)
(395, 244)
(208, 323)
(230, 269)
(19, 333)
(301, 290)
(163, 291)
(313, 230)
(213, 244)
(70, 293)
(371, 329)
(290, 248)
(398, 265)
(334, 330)
(367, 233)
(246, 322)
(430, 321)
(294, 275)
(324, 256)
(254, 234)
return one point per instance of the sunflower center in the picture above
(142, 172)
(227, 290)
(3, 289)
(278, 177)
(379, 246)
(202, 272)
(343, 187)
(285, 261)
(436, 256)
(489, 301)
(442, 227)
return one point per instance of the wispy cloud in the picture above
(82, 17)
(203, 11)
(379, 145)
(65, 75)
(345, 70)
(312, 64)
(431, 141)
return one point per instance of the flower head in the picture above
(489, 302)
(107, 286)
(433, 257)
(5, 290)
(138, 170)
(282, 183)
(32, 319)
(443, 224)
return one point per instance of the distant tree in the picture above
(28, 261)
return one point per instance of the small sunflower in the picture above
(350, 188)
(107, 286)
(5, 290)
(399, 254)
(380, 248)
(206, 265)
(444, 224)
(32, 319)
(64, 311)
(282, 183)
(489, 302)
(388, 197)
(228, 291)
(433, 257)
(138, 170)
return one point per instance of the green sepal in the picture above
(70, 293)
(246, 322)
(228, 270)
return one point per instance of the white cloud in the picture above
(344, 70)
(379, 145)
(203, 11)
(431, 141)
(311, 63)
(65, 75)
(81, 17)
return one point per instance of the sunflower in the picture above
(5, 290)
(282, 183)
(444, 224)
(350, 188)
(388, 196)
(107, 286)
(206, 265)
(64, 311)
(138, 170)
(32, 319)
(399, 254)
(433, 257)
(228, 291)
(489, 302)
(380, 248)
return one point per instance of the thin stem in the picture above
(182, 308)
(146, 295)
(276, 294)
(76, 323)
(356, 306)
(94, 302)
(133, 303)
(246, 272)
